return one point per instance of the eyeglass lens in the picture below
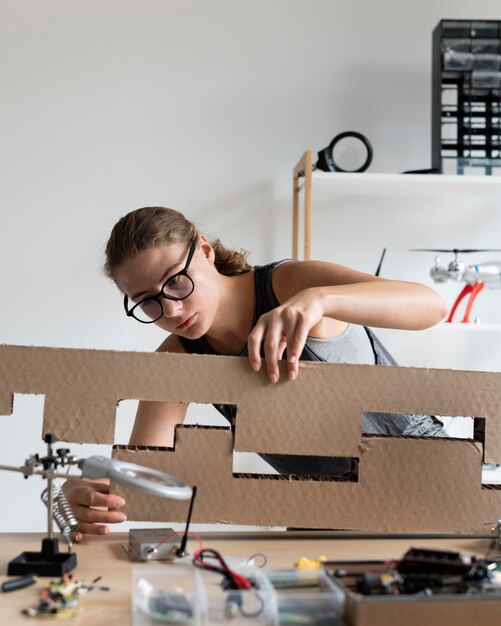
(150, 309)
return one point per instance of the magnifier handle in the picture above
(145, 479)
(96, 467)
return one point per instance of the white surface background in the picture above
(206, 107)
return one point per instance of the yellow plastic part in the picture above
(305, 563)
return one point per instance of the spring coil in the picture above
(61, 509)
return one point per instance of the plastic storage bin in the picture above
(170, 594)
(182, 594)
(231, 607)
(306, 597)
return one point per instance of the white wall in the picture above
(202, 106)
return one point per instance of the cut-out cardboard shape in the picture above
(404, 484)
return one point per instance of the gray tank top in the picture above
(358, 344)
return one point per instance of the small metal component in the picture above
(179, 552)
(497, 528)
(29, 465)
(143, 544)
(61, 512)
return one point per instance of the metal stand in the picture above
(49, 561)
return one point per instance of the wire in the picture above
(233, 579)
(232, 582)
(238, 600)
(181, 550)
(253, 556)
(174, 534)
(184, 540)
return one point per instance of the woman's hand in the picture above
(286, 326)
(84, 496)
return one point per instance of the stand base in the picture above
(48, 562)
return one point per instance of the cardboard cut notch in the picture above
(418, 485)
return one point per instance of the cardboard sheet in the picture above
(404, 484)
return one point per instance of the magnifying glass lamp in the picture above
(49, 561)
(145, 479)
(347, 152)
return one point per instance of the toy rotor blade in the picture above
(456, 250)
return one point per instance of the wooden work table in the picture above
(105, 556)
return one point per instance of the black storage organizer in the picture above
(466, 96)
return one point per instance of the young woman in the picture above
(209, 300)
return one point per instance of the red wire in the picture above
(190, 532)
(238, 581)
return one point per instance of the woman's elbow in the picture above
(442, 308)
(436, 309)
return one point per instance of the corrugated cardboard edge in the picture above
(404, 484)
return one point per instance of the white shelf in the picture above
(357, 214)
(405, 185)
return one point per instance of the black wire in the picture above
(258, 611)
(198, 561)
(184, 540)
(234, 591)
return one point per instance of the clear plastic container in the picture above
(306, 597)
(460, 45)
(171, 594)
(181, 594)
(471, 166)
(456, 29)
(485, 30)
(488, 62)
(485, 80)
(458, 61)
(485, 46)
(256, 606)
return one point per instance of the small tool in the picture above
(18, 583)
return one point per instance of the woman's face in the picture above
(145, 274)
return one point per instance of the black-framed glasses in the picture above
(176, 287)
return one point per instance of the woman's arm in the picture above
(156, 421)
(355, 297)
(310, 291)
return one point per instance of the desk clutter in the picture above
(60, 598)
(180, 594)
(209, 588)
(425, 587)
(203, 587)
(230, 585)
